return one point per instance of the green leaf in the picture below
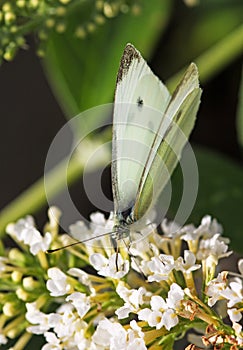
(240, 113)
(83, 72)
(167, 341)
(220, 194)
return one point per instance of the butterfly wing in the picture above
(171, 137)
(139, 96)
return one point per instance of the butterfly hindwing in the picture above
(179, 119)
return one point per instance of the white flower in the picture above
(238, 328)
(38, 318)
(124, 311)
(3, 339)
(160, 267)
(80, 301)
(170, 319)
(160, 315)
(140, 248)
(133, 299)
(64, 327)
(233, 293)
(68, 329)
(98, 219)
(110, 335)
(16, 229)
(214, 246)
(99, 224)
(83, 278)
(170, 228)
(39, 243)
(54, 214)
(208, 228)
(57, 284)
(234, 315)
(3, 264)
(159, 308)
(175, 295)
(135, 337)
(108, 267)
(189, 263)
(215, 288)
(25, 231)
(53, 342)
(79, 230)
(163, 313)
(240, 266)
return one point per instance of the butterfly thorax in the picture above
(121, 225)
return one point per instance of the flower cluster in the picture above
(146, 295)
(20, 17)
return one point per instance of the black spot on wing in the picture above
(129, 54)
(140, 102)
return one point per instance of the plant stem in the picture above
(34, 197)
(215, 58)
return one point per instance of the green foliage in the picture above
(83, 71)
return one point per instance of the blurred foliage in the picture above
(83, 72)
(240, 114)
(198, 29)
(21, 17)
(220, 193)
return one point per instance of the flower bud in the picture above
(16, 276)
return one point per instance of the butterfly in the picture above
(150, 130)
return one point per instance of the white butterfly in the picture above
(150, 129)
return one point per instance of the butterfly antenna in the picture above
(49, 251)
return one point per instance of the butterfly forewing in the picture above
(138, 98)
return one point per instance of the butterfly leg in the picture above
(134, 258)
(116, 248)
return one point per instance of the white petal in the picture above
(98, 261)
